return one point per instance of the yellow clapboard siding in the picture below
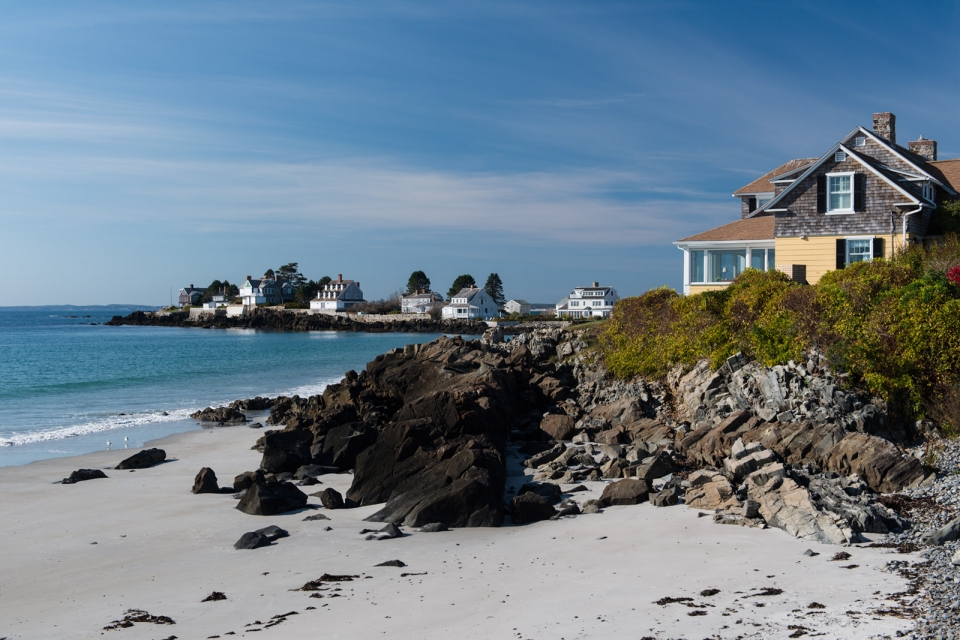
(700, 288)
(819, 253)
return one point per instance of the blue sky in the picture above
(149, 146)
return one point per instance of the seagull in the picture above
(108, 444)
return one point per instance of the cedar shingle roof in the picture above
(760, 228)
(947, 171)
(763, 184)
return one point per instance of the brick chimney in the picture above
(339, 277)
(885, 126)
(925, 148)
(596, 284)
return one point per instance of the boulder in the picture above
(590, 506)
(624, 492)
(144, 459)
(666, 497)
(271, 498)
(286, 450)
(545, 456)
(389, 532)
(551, 492)
(260, 538)
(222, 416)
(530, 507)
(655, 467)
(946, 533)
(710, 490)
(205, 482)
(558, 426)
(81, 475)
(331, 498)
(434, 527)
(247, 478)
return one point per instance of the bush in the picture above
(894, 325)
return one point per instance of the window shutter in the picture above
(841, 253)
(878, 247)
(859, 192)
(821, 194)
(751, 204)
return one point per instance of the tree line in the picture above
(419, 281)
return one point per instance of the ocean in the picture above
(69, 385)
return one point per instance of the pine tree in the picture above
(494, 289)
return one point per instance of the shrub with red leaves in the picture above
(953, 275)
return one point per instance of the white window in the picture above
(859, 250)
(860, 141)
(839, 192)
(928, 192)
(840, 156)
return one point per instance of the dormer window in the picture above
(840, 156)
(860, 141)
(928, 192)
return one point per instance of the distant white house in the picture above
(337, 295)
(588, 302)
(517, 306)
(420, 302)
(217, 302)
(471, 303)
(265, 291)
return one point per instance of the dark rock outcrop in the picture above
(222, 416)
(144, 459)
(331, 498)
(623, 492)
(530, 507)
(286, 450)
(81, 475)
(271, 498)
(558, 427)
(205, 482)
(260, 537)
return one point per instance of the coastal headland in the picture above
(513, 489)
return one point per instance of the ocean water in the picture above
(69, 385)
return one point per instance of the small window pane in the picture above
(726, 265)
(858, 251)
(696, 266)
(770, 260)
(757, 259)
(840, 192)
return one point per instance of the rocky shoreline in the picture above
(284, 320)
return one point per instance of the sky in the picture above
(148, 146)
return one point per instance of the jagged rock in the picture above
(395, 563)
(558, 427)
(624, 492)
(247, 478)
(590, 506)
(530, 507)
(545, 456)
(389, 532)
(286, 450)
(946, 533)
(316, 516)
(223, 416)
(655, 467)
(666, 497)
(434, 527)
(144, 459)
(271, 498)
(567, 508)
(331, 498)
(710, 490)
(312, 471)
(260, 537)
(206, 482)
(875, 460)
(80, 475)
(549, 491)
(786, 505)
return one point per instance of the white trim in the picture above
(853, 188)
(722, 244)
(846, 247)
(748, 246)
(893, 149)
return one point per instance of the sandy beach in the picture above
(77, 557)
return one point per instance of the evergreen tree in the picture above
(462, 282)
(494, 289)
(418, 282)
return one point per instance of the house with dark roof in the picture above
(865, 198)
(471, 303)
(190, 296)
(420, 302)
(338, 295)
(266, 290)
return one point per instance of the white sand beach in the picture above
(76, 557)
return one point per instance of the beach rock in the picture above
(392, 563)
(530, 507)
(710, 490)
(389, 532)
(286, 451)
(434, 527)
(545, 456)
(317, 516)
(558, 427)
(247, 478)
(331, 498)
(205, 482)
(223, 416)
(946, 533)
(567, 508)
(260, 538)
(655, 467)
(625, 492)
(81, 475)
(310, 471)
(144, 459)
(667, 497)
(551, 492)
(271, 498)
(590, 506)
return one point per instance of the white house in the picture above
(517, 306)
(218, 301)
(337, 295)
(588, 302)
(420, 302)
(471, 303)
(265, 291)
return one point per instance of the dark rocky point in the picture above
(271, 498)
(81, 475)
(144, 459)
(206, 482)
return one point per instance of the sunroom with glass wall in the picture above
(715, 265)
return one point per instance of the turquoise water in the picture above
(68, 387)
